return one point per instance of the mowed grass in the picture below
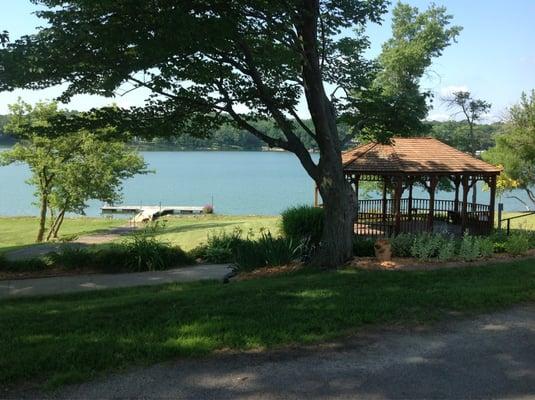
(22, 231)
(185, 231)
(526, 223)
(56, 340)
(190, 231)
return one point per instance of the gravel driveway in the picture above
(490, 356)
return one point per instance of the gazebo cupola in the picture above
(405, 162)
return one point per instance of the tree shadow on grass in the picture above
(109, 330)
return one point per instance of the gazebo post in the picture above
(431, 216)
(464, 212)
(397, 204)
(384, 199)
(356, 180)
(411, 181)
(316, 202)
(492, 204)
(457, 183)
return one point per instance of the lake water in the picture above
(259, 183)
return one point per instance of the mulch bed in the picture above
(413, 264)
(396, 264)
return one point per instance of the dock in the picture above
(150, 213)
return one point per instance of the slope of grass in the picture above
(21, 231)
(190, 231)
(70, 338)
(185, 231)
(527, 222)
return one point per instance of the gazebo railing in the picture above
(376, 218)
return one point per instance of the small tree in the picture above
(515, 148)
(472, 110)
(67, 169)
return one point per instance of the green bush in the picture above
(303, 223)
(426, 246)
(136, 254)
(221, 247)
(72, 258)
(448, 250)
(29, 265)
(363, 247)
(517, 243)
(266, 251)
(402, 244)
(486, 246)
(469, 249)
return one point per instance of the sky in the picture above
(494, 57)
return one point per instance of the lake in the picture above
(247, 183)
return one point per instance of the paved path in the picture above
(82, 283)
(42, 249)
(491, 356)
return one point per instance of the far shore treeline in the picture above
(228, 137)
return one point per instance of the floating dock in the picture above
(150, 213)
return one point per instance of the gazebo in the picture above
(425, 162)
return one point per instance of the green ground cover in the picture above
(21, 231)
(61, 339)
(186, 231)
(190, 231)
(527, 222)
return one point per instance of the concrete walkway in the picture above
(490, 357)
(39, 250)
(83, 283)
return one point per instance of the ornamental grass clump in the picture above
(303, 223)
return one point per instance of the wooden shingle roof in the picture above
(413, 155)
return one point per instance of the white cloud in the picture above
(438, 116)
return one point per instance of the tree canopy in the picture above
(205, 63)
(515, 148)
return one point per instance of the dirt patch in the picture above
(413, 264)
(268, 271)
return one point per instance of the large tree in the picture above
(515, 148)
(394, 104)
(209, 62)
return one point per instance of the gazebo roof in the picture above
(422, 155)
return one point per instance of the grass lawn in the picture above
(185, 231)
(527, 222)
(21, 231)
(61, 339)
(190, 231)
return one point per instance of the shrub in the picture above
(426, 246)
(486, 246)
(303, 223)
(266, 251)
(518, 243)
(221, 247)
(363, 247)
(469, 249)
(448, 250)
(29, 265)
(402, 244)
(69, 257)
(208, 209)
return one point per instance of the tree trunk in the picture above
(339, 199)
(42, 217)
(58, 224)
(339, 204)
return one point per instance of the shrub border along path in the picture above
(62, 339)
